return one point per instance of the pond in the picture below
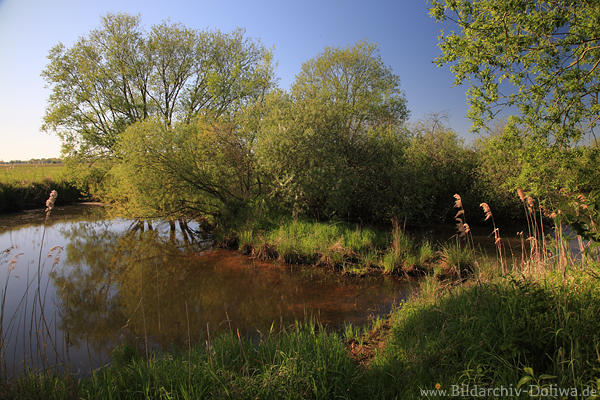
(77, 286)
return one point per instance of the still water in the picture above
(74, 288)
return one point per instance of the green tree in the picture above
(538, 56)
(204, 167)
(538, 60)
(120, 74)
(329, 145)
(438, 165)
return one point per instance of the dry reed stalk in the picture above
(208, 346)
(582, 251)
(158, 296)
(544, 245)
(42, 320)
(247, 365)
(187, 317)
(463, 228)
(143, 312)
(537, 227)
(538, 249)
(497, 239)
(523, 199)
(11, 266)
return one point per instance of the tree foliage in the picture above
(180, 123)
(204, 167)
(120, 74)
(540, 57)
(438, 165)
(330, 144)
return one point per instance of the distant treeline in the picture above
(34, 161)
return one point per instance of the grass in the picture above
(350, 248)
(310, 242)
(457, 260)
(494, 334)
(31, 173)
(302, 362)
(27, 186)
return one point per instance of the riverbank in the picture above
(351, 249)
(27, 186)
(493, 331)
(527, 323)
(25, 196)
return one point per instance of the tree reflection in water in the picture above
(135, 285)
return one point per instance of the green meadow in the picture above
(27, 186)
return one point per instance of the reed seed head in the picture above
(458, 201)
(50, 202)
(13, 261)
(486, 210)
(529, 201)
(463, 228)
(521, 194)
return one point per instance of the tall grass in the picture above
(492, 334)
(301, 362)
(350, 248)
(295, 241)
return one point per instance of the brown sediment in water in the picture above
(155, 289)
(332, 296)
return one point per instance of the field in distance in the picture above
(27, 173)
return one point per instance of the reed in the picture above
(463, 228)
(500, 252)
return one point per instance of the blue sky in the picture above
(297, 31)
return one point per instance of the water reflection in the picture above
(142, 284)
(112, 284)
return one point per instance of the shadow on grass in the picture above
(487, 334)
(17, 197)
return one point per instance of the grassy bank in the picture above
(27, 186)
(303, 362)
(346, 247)
(477, 323)
(540, 330)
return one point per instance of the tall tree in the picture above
(329, 144)
(120, 74)
(540, 57)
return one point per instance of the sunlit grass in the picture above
(26, 186)
(31, 173)
(302, 362)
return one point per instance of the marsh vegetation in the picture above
(185, 134)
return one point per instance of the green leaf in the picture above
(523, 381)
